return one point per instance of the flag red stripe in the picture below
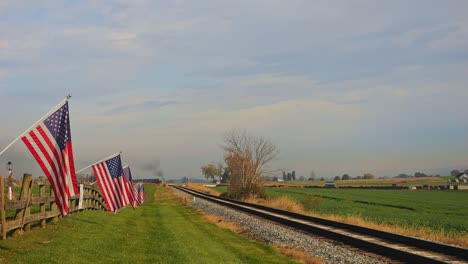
(123, 187)
(63, 208)
(52, 165)
(103, 188)
(69, 149)
(45, 153)
(106, 187)
(57, 158)
(117, 193)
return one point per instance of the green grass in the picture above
(445, 211)
(161, 231)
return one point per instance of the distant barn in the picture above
(460, 182)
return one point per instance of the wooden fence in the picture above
(20, 218)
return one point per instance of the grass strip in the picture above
(161, 231)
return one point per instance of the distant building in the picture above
(460, 182)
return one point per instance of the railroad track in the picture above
(393, 246)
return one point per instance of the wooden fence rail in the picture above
(23, 218)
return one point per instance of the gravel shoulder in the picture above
(275, 234)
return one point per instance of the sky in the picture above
(338, 86)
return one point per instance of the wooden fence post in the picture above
(2, 208)
(42, 205)
(25, 195)
(53, 207)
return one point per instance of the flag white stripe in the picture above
(61, 196)
(123, 185)
(63, 184)
(117, 194)
(105, 186)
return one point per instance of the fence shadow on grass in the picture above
(17, 216)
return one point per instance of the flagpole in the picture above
(40, 120)
(111, 156)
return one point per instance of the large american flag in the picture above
(50, 144)
(132, 191)
(111, 180)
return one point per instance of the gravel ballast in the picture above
(272, 233)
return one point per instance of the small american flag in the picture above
(109, 175)
(50, 144)
(141, 193)
(132, 191)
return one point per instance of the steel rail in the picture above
(397, 247)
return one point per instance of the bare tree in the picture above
(247, 156)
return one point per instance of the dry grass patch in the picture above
(166, 196)
(299, 255)
(283, 203)
(219, 221)
(201, 188)
(460, 240)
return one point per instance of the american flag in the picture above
(141, 193)
(111, 180)
(132, 191)
(50, 144)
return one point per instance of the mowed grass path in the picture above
(161, 231)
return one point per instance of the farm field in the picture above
(372, 182)
(163, 230)
(436, 210)
(439, 212)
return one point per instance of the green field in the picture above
(161, 231)
(436, 210)
(445, 211)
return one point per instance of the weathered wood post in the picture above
(53, 207)
(72, 204)
(2, 206)
(25, 195)
(42, 205)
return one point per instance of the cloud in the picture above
(141, 106)
(454, 39)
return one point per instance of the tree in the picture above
(247, 156)
(419, 174)
(454, 172)
(369, 176)
(337, 178)
(219, 167)
(210, 171)
(345, 177)
(226, 175)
